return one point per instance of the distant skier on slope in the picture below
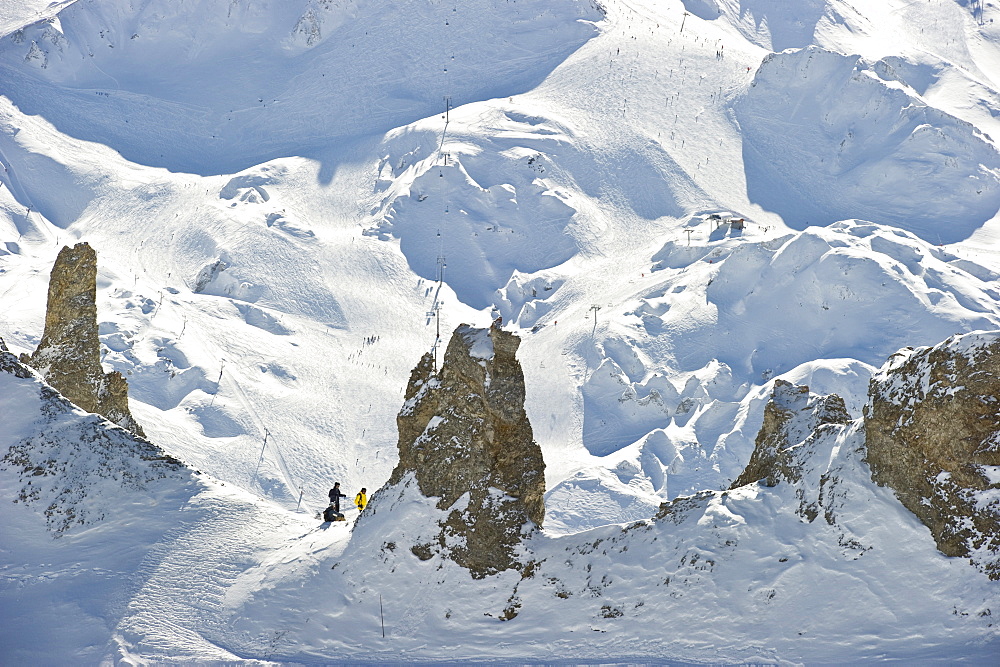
(361, 499)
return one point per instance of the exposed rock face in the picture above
(75, 466)
(10, 364)
(69, 354)
(463, 430)
(792, 419)
(933, 435)
(795, 445)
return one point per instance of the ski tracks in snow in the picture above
(179, 611)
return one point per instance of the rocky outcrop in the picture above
(793, 418)
(465, 438)
(796, 445)
(10, 364)
(69, 354)
(75, 466)
(933, 435)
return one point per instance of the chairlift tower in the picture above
(595, 308)
(435, 312)
(261, 458)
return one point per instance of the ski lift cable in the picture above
(282, 466)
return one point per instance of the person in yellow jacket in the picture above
(361, 499)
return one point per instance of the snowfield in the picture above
(292, 201)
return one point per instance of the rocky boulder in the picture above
(466, 440)
(69, 353)
(933, 435)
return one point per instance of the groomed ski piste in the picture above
(288, 202)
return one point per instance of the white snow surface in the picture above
(290, 199)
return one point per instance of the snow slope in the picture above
(286, 212)
(105, 530)
(938, 167)
(791, 589)
(291, 78)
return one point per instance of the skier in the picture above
(335, 496)
(361, 499)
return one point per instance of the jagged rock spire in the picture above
(463, 430)
(69, 353)
(792, 418)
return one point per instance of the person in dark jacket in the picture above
(335, 496)
(329, 515)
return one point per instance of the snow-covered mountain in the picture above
(673, 203)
